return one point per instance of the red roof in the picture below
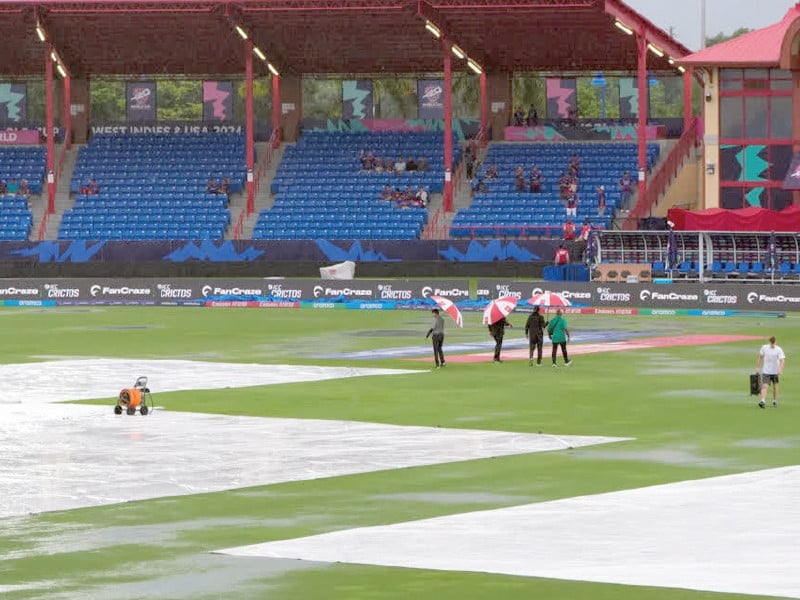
(757, 48)
(99, 37)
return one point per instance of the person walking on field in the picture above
(770, 364)
(534, 331)
(497, 330)
(436, 333)
(559, 335)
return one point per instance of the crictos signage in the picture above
(284, 292)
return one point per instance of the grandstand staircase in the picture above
(63, 201)
(263, 197)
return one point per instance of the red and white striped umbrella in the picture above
(499, 308)
(549, 299)
(450, 308)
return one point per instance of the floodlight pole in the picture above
(248, 77)
(48, 86)
(67, 120)
(484, 110)
(448, 128)
(276, 111)
(641, 46)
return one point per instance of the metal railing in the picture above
(663, 177)
(239, 227)
(266, 160)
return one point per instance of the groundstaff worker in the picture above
(559, 335)
(497, 330)
(534, 331)
(436, 333)
(770, 359)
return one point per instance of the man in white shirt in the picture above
(770, 364)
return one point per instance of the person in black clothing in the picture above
(436, 333)
(534, 331)
(497, 330)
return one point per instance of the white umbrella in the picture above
(498, 309)
(450, 308)
(549, 299)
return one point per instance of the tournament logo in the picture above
(140, 98)
(432, 95)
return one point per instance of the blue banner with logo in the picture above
(430, 98)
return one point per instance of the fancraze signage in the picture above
(741, 296)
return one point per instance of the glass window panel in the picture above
(731, 117)
(779, 199)
(755, 115)
(755, 84)
(781, 84)
(780, 74)
(731, 73)
(780, 117)
(732, 84)
(731, 198)
(755, 74)
(780, 158)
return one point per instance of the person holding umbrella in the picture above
(534, 331)
(436, 333)
(497, 330)
(558, 332)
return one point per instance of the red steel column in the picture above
(67, 113)
(641, 46)
(484, 109)
(48, 86)
(688, 82)
(249, 159)
(448, 129)
(276, 110)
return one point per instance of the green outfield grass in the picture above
(688, 409)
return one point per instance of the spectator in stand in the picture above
(480, 187)
(601, 201)
(399, 166)
(367, 160)
(519, 177)
(562, 256)
(422, 197)
(212, 187)
(519, 117)
(386, 193)
(411, 164)
(492, 172)
(388, 165)
(583, 237)
(572, 205)
(92, 188)
(533, 117)
(568, 230)
(563, 186)
(3, 188)
(536, 180)
(575, 166)
(422, 164)
(626, 187)
(24, 189)
(13, 187)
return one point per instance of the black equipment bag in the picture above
(755, 384)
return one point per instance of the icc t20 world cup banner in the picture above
(140, 99)
(357, 99)
(562, 98)
(217, 101)
(13, 102)
(430, 98)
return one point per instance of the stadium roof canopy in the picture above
(196, 37)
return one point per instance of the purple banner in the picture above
(140, 98)
(22, 136)
(430, 99)
(562, 98)
(792, 180)
(217, 101)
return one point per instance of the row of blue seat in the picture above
(128, 234)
